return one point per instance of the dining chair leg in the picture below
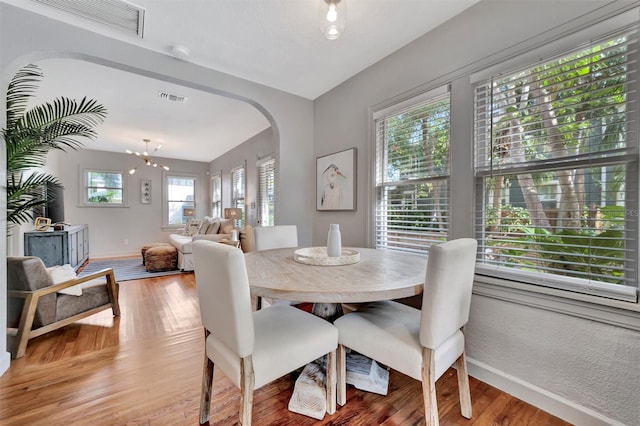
(205, 395)
(247, 383)
(463, 386)
(429, 387)
(342, 376)
(330, 380)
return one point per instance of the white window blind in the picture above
(556, 160)
(216, 195)
(266, 191)
(238, 191)
(180, 195)
(412, 173)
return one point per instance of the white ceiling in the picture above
(203, 128)
(276, 43)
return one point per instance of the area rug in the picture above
(125, 269)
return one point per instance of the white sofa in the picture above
(207, 228)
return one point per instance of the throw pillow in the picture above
(192, 227)
(62, 273)
(185, 230)
(214, 227)
(204, 225)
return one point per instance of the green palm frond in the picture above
(31, 133)
(81, 115)
(26, 193)
(24, 151)
(22, 87)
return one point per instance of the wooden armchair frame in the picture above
(24, 332)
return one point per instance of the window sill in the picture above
(608, 311)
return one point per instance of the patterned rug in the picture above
(125, 269)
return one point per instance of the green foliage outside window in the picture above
(548, 215)
(105, 187)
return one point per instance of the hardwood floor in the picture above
(144, 368)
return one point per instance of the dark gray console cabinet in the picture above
(59, 247)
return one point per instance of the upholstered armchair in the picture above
(36, 305)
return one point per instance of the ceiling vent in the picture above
(115, 13)
(173, 98)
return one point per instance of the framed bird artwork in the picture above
(336, 181)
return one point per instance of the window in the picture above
(216, 195)
(556, 164)
(180, 194)
(266, 191)
(412, 173)
(104, 188)
(237, 191)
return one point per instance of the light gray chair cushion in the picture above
(389, 333)
(92, 297)
(283, 343)
(28, 273)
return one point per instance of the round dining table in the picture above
(379, 275)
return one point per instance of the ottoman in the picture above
(161, 258)
(146, 247)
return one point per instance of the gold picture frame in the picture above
(42, 224)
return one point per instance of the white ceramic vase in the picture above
(334, 241)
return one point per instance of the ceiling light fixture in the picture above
(146, 157)
(333, 18)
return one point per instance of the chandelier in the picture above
(146, 157)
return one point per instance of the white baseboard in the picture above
(5, 361)
(551, 403)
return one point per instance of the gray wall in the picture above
(26, 37)
(136, 223)
(585, 371)
(248, 154)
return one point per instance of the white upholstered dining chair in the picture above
(422, 344)
(274, 237)
(252, 348)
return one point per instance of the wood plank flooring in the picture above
(144, 368)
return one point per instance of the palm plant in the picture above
(31, 133)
